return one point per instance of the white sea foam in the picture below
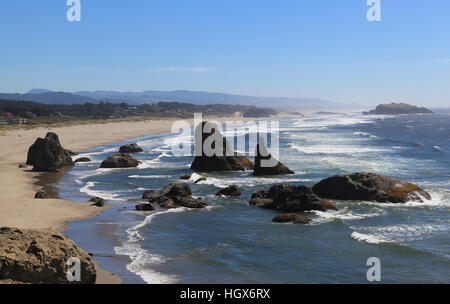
(334, 149)
(342, 214)
(149, 176)
(371, 239)
(141, 260)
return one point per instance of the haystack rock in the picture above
(47, 154)
(290, 198)
(40, 257)
(133, 148)
(174, 196)
(369, 187)
(120, 160)
(266, 164)
(224, 159)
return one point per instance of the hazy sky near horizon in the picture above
(308, 49)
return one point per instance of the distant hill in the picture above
(153, 97)
(50, 98)
(203, 98)
(397, 108)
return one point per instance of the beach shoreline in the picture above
(19, 208)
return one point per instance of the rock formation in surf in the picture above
(83, 160)
(232, 190)
(174, 196)
(40, 257)
(290, 198)
(291, 218)
(47, 154)
(369, 187)
(222, 158)
(397, 108)
(133, 148)
(266, 164)
(120, 160)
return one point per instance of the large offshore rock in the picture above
(291, 218)
(225, 160)
(47, 154)
(290, 198)
(133, 148)
(369, 187)
(120, 160)
(266, 164)
(40, 257)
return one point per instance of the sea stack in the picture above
(47, 154)
(224, 160)
(266, 164)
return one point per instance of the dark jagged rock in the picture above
(290, 198)
(397, 108)
(41, 195)
(120, 160)
(83, 160)
(174, 196)
(177, 190)
(232, 190)
(40, 257)
(201, 179)
(133, 148)
(291, 218)
(98, 202)
(185, 176)
(224, 159)
(266, 164)
(369, 187)
(47, 154)
(145, 207)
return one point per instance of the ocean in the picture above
(233, 242)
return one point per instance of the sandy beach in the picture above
(18, 208)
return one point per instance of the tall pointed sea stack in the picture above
(221, 158)
(266, 164)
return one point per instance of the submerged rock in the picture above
(232, 190)
(145, 207)
(266, 164)
(40, 257)
(290, 198)
(223, 159)
(47, 154)
(291, 218)
(174, 196)
(185, 176)
(133, 148)
(369, 187)
(120, 160)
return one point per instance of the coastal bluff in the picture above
(397, 108)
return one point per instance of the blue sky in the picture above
(310, 48)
